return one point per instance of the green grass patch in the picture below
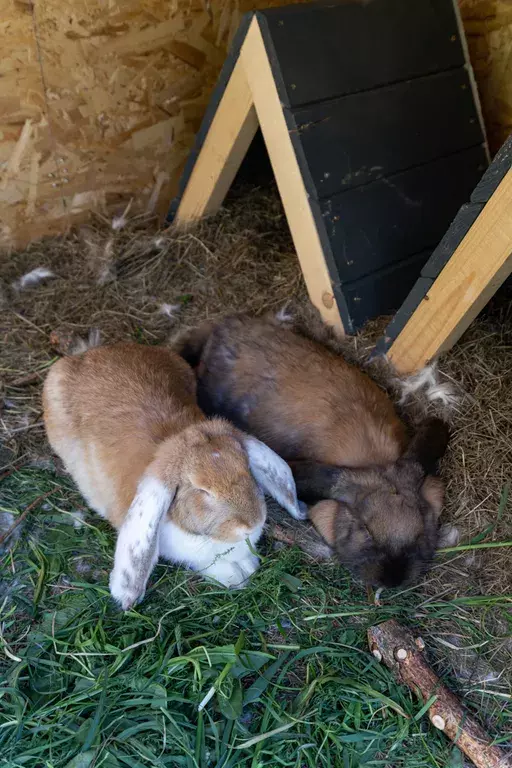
(278, 674)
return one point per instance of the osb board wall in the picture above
(488, 27)
(99, 103)
(100, 99)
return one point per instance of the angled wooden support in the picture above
(251, 99)
(477, 268)
(372, 155)
(226, 144)
(288, 176)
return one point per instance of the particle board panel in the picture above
(115, 93)
(488, 28)
(26, 160)
(119, 74)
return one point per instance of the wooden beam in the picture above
(288, 176)
(477, 268)
(226, 144)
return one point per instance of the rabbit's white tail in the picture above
(80, 345)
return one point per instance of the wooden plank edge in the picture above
(471, 74)
(229, 137)
(484, 227)
(460, 226)
(215, 99)
(494, 174)
(312, 247)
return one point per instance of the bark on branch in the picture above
(402, 653)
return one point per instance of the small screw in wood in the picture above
(401, 654)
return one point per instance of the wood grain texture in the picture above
(288, 175)
(115, 93)
(229, 136)
(488, 28)
(402, 653)
(474, 272)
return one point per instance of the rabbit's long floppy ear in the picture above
(273, 476)
(137, 541)
(316, 481)
(428, 444)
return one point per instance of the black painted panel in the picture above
(382, 292)
(330, 49)
(397, 324)
(372, 226)
(356, 139)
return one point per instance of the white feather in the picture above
(34, 277)
(78, 519)
(449, 536)
(79, 345)
(119, 222)
(170, 310)
(284, 316)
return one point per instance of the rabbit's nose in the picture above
(394, 570)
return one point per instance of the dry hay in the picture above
(137, 283)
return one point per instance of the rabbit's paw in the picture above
(232, 575)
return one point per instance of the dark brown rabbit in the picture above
(378, 503)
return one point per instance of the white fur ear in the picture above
(137, 542)
(273, 476)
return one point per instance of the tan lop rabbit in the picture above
(125, 422)
(378, 504)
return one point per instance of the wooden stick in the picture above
(23, 515)
(283, 528)
(402, 653)
(23, 381)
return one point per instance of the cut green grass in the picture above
(278, 674)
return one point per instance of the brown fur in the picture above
(131, 405)
(271, 381)
(341, 434)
